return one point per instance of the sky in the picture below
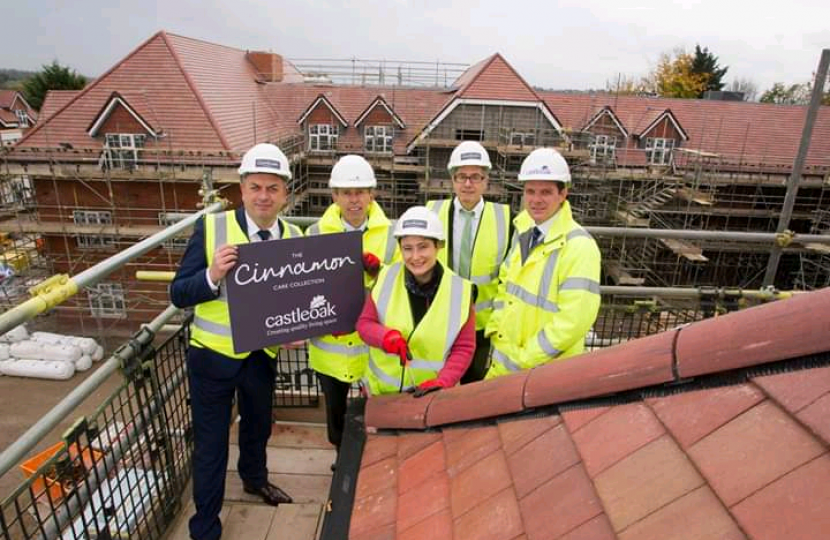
(566, 44)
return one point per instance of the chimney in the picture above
(267, 65)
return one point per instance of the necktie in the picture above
(535, 238)
(264, 234)
(466, 251)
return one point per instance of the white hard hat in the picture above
(469, 153)
(265, 158)
(545, 164)
(419, 221)
(352, 171)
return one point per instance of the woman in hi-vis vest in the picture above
(419, 321)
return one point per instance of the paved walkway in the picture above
(299, 460)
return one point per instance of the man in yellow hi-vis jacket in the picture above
(549, 293)
(340, 360)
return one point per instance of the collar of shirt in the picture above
(546, 225)
(477, 209)
(349, 227)
(253, 229)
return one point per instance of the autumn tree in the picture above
(794, 94)
(51, 77)
(673, 77)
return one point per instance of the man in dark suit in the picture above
(215, 372)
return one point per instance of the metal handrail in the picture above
(26, 442)
(59, 290)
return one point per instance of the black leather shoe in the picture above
(270, 493)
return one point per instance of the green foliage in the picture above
(12, 79)
(794, 94)
(705, 64)
(51, 77)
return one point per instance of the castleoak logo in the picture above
(318, 308)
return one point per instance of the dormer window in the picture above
(22, 118)
(378, 139)
(121, 150)
(323, 137)
(659, 150)
(604, 149)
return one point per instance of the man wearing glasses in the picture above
(478, 236)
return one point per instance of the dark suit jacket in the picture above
(190, 287)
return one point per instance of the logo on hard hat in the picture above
(470, 155)
(544, 169)
(415, 223)
(267, 163)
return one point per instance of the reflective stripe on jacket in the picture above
(345, 357)
(430, 342)
(546, 304)
(211, 326)
(489, 250)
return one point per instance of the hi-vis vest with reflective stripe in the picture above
(345, 357)
(547, 304)
(433, 338)
(211, 327)
(489, 250)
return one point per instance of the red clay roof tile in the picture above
(498, 518)
(424, 500)
(465, 447)
(698, 514)
(380, 476)
(515, 434)
(744, 338)
(690, 416)
(402, 411)
(412, 443)
(816, 417)
(479, 400)
(419, 467)
(598, 528)
(635, 364)
(373, 512)
(378, 447)
(796, 390)
(615, 435)
(438, 526)
(794, 506)
(576, 418)
(645, 481)
(541, 459)
(479, 482)
(560, 505)
(753, 450)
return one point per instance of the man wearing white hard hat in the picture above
(215, 372)
(478, 238)
(419, 320)
(549, 296)
(341, 359)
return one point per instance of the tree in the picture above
(747, 87)
(705, 64)
(626, 86)
(781, 94)
(673, 77)
(51, 77)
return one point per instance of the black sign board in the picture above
(292, 289)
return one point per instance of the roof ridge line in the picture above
(206, 42)
(195, 91)
(89, 87)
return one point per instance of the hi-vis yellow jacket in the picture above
(345, 357)
(211, 326)
(430, 343)
(548, 302)
(489, 250)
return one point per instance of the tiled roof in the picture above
(542, 454)
(7, 98)
(494, 78)
(55, 100)
(748, 132)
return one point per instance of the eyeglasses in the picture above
(463, 178)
